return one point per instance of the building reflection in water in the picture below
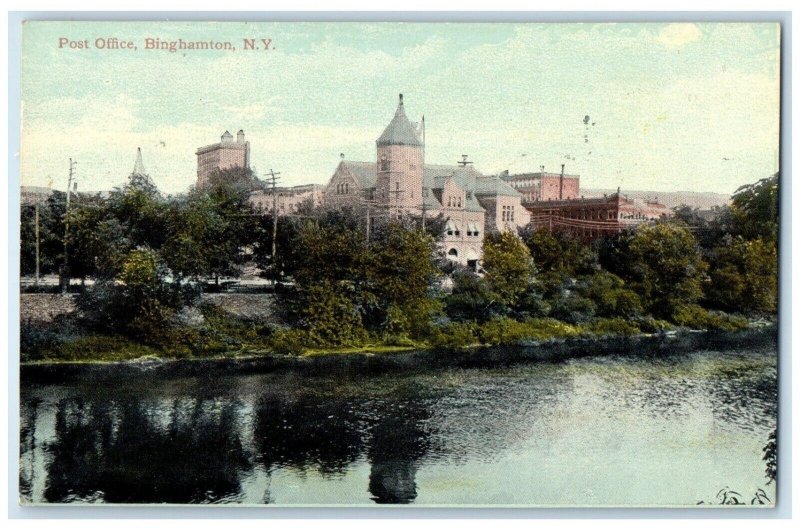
(399, 441)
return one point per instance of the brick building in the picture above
(223, 155)
(400, 183)
(589, 218)
(543, 186)
(554, 202)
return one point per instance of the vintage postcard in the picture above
(439, 264)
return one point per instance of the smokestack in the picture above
(561, 184)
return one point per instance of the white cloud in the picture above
(675, 36)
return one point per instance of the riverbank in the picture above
(405, 359)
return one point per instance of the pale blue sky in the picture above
(671, 106)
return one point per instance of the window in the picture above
(452, 252)
(384, 165)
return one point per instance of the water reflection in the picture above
(442, 437)
(399, 440)
(139, 452)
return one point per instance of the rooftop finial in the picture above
(401, 99)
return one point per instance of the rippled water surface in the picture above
(618, 430)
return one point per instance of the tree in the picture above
(141, 210)
(559, 252)
(754, 208)
(283, 264)
(661, 263)
(51, 235)
(210, 231)
(471, 298)
(508, 267)
(139, 302)
(744, 276)
(401, 272)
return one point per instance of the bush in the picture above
(649, 324)
(453, 336)
(506, 331)
(573, 308)
(612, 327)
(102, 348)
(550, 328)
(695, 317)
(503, 331)
(290, 342)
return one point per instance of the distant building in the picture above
(224, 155)
(289, 199)
(589, 218)
(543, 186)
(32, 195)
(554, 202)
(399, 183)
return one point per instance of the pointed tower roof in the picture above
(138, 167)
(400, 130)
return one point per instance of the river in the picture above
(616, 430)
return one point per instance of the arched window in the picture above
(452, 252)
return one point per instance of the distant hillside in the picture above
(702, 200)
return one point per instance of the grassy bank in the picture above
(218, 335)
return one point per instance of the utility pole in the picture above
(65, 270)
(36, 224)
(424, 189)
(274, 182)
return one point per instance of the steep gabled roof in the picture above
(400, 130)
(494, 185)
(366, 173)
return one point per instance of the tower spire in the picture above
(138, 167)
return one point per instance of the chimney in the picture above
(561, 184)
(401, 100)
(240, 137)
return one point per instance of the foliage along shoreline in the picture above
(346, 285)
(409, 359)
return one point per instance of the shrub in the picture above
(550, 328)
(611, 326)
(453, 336)
(573, 308)
(506, 331)
(695, 317)
(503, 331)
(649, 324)
(290, 342)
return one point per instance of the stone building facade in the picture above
(223, 155)
(400, 183)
